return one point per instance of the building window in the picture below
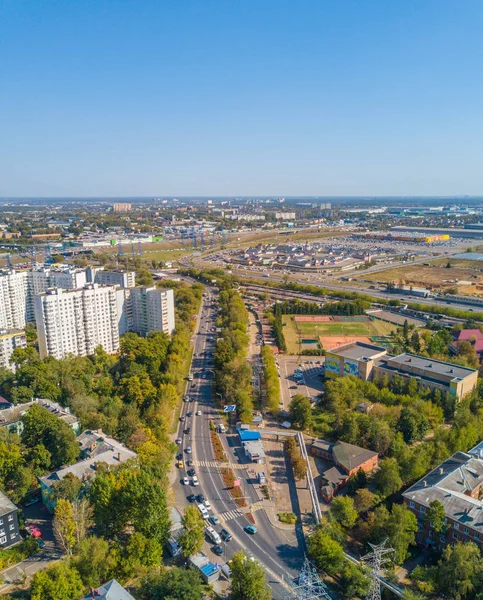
(477, 535)
(422, 509)
(12, 527)
(411, 504)
(10, 517)
(466, 529)
(1, 521)
(3, 540)
(456, 525)
(455, 535)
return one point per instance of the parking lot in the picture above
(311, 384)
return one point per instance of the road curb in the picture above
(276, 523)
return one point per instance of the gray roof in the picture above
(358, 350)
(112, 590)
(350, 456)
(407, 362)
(15, 413)
(6, 505)
(450, 483)
(115, 453)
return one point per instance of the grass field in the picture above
(324, 331)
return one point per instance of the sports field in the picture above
(331, 333)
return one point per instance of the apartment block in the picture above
(77, 321)
(367, 360)
(121, 207)
(9, 531)
(9, 341)
(13, 299)
(124, 279)
(152, 310)
(457, 484)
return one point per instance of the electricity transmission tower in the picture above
(376, 561)
(309, 585)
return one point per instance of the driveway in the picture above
(312, 382)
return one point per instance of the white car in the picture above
(207, 504)
(198, 413)
(203, 511)
(185, 481)
(213, 535)
(195, 480)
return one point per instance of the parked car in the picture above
(191, 472)
(187, 430)
(207, 504)
(180, 464)
(214, 520)
(178, 440)
(218, 550)
(203, 511)
(251, 529)
(198, 413)
(212, 535)
(41, 542)
(189, 414)
(188, 450)
(189, 462)
(32, 501)
(185, 481)
(200, 498)
(195, 481)
(182, 419)
(191, 498)
(225, 535)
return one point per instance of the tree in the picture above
(326, 552)
(43, 427)
(412, 424)
(64, 525)
(93, 561)
(58, 582)
(415, 342)
(402, 527)
(410, 595)
(363, 500)
(343, 511)
(192, 537)
(82, 512)
(69, 487)
(460, 570)
(388, 480)
(299, 467)
(301, 411)
(436, 516)
(172, 584)
(355, 580)
(248, 579)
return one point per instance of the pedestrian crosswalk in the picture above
(256, 506)
(214, 464)
(230, 514)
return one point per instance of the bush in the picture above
(287, 517)
(18, 553)
(265, 492)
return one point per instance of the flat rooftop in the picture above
(407, 362)
(358, 350)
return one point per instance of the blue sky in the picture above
(228, 97)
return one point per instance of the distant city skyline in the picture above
(316, 98)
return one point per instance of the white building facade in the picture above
(9, 341)
(152, 310)
(77, 321)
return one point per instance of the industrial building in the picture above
(366, 361)
(454, 232)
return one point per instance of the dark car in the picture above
(189, 462)
(187, 430)
(293, 387)
(191, 472)
(191, 498)
(218, 550)
(200, 498)
(225, 535)
(179, 457)
(189, 414)
(182, 419)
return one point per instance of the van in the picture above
(225, 569)
(213, 535)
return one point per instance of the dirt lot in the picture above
(436, 276)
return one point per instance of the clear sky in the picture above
(241, 97)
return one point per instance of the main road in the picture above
(280, 552)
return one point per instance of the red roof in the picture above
(470, 335)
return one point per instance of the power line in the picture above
(376, 561)
(308, 585)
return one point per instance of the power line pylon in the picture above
(376, 561)
(309, 585)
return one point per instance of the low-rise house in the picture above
(112, 590)
(346, 459)
(11, 418)
(457, 484)
(475, 337)
(209, 571)
(105, 450)
(9, 532)
(255, 451)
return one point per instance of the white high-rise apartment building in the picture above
(152, 310)
(77, 321)
(9, 341)
(13, 299)
(124, 279)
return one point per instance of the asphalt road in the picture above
(280, 553)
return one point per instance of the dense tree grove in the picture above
(115, 525)
(233, 374)
(300, 307)
(272, 384)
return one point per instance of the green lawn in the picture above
(316, 330)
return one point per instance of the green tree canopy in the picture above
(248, 579)
(58, 582)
